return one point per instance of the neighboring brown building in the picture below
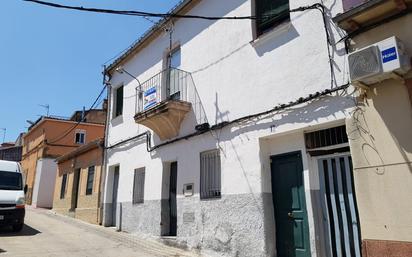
(12, 151)
(78, 182)
(380, 129)
(47, 139)
(93, 115)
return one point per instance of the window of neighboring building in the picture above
(90, 179)
(138, 185)
(270, 13)
(80, 137)
(63, 187)
(118, 102)
(210, 175)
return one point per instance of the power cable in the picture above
(221, 125)
(316, 6)
(140, 13)
(170, 14)
(78, 122)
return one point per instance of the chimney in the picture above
(83, 113)
(104, 105)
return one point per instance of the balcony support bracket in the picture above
(165, 118)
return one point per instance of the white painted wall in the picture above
(264, 74)
(234, 77)
(44, 183)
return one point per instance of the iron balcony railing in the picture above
(169, 84)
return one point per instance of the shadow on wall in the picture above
(385, 114)
(192, 28)
(283, 37)
(318, 109)
(392, 103)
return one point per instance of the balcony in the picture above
(163, 102)
(363, 13)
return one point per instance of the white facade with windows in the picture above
(211, 188)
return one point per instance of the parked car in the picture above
(12, 191)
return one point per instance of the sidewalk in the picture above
(146, 244)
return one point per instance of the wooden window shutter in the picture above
(210, 175)
(138, 185)
(119, 101)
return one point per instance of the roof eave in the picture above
(149, 34)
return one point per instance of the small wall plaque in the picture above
(188, 217)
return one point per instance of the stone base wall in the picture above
(383, 248)
(143, 218)
(62, 206)
(63, 211)
(90, 215)
(88, 201)
(87, 209)
(234, 225)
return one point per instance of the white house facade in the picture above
(228, 136)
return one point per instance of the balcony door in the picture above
(173, 85)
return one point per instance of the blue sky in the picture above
(52, 56)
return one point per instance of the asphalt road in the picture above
(46, 234)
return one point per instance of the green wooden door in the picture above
(292, 232)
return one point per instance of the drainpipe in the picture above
(104, 152)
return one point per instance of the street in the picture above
(47, 234)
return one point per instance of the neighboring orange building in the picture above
(79, 181)
(49, 138)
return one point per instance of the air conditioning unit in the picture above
(375, 63)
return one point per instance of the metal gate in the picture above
(339, 206)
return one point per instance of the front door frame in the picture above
(173, 199)
(308, 230)
(115, 192)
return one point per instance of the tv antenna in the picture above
(47, 107)
(4, 133)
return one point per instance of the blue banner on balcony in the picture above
(150, 98)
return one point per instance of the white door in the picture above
(339, 206)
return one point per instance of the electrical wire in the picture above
(170, 14)
(221, 125)
(64, 134)
(317, 6)
(140, 13)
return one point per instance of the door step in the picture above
(173, 242)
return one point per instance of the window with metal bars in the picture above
(138, 185)
(270, 13)
(326, 137)
(90, 179)
(63, 186)
(210, 175)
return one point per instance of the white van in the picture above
(12, 191)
